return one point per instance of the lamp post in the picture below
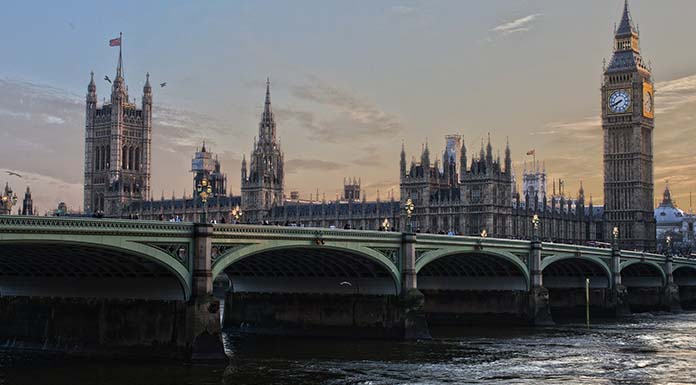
(615, 238)
(409, 207)
(204, 191)
(236, 214)
(535, 227)
(484, 233)
(386, 225)
(7, 200)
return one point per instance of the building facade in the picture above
(628, 123)
(676, 225)
(118, 139)
(204, 166)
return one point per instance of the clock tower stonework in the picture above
(628, 123)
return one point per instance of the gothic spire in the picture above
(267, 125)
(267, 104)
(626, 26)
(147, 88)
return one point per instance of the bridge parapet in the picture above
(31, 224)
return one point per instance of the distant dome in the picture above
(667, 214)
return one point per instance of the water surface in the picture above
(644, 349)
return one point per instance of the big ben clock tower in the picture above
(627, 122)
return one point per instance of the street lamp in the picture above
(535, 223)
(7, 200)
(386, 225)
(484, 233)
(409, 207)
(668, 240)
(236, 214)
(615, 237)
(204, 191)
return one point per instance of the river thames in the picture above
(643, 349)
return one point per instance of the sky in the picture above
(349, 82)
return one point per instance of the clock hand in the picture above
(616, 103)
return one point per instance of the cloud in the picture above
(575, 148)
(294, 166)
(354, 118)
(522, 24)
(47, 191)
(42, 133)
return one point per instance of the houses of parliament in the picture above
(463, 190)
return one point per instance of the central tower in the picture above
(628, 122)
(262, 184)
(118, 140)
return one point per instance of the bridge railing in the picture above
(34, 224)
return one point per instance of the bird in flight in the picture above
(163, 84)
(106, 77)
(13, 173)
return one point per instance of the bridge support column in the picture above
(539, 307)
(619, 293)
(670, 295)
(412, 299)
(203, 310)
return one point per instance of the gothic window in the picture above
(137, 158)
(108, 155)
(124, 158)
(96, 158)
(130, 158)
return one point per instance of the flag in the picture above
(115, 42)
(531, 152)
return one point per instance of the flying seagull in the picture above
(163, 84)
(13, 173)
(106, 77)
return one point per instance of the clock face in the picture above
(648, 102)
(619, 101)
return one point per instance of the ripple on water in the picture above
(645, 349)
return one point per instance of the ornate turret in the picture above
(462, 160)
(402, 162)
(489, 151)
(425, 156)
(508, 158)
(28, 203)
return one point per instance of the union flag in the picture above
(531, 152)
(115, 42)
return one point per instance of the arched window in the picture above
(107, 157)
(137, 158)
(124, 158)
(130, 158)
(97, 159)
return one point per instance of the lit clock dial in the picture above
(648, 102)
(619, 101)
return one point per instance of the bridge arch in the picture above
(685, 275)
(103, 267)
(443, 269)
(300, 267)
(570, 271)
(637, 273)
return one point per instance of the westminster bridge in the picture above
(86, 284)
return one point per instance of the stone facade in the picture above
(627, 121)
(117, 148)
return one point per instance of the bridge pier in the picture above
(619, 293)
(203, 329)
(539, 306)
(670, 298)
(412, 299)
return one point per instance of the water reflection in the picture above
(645, 349)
